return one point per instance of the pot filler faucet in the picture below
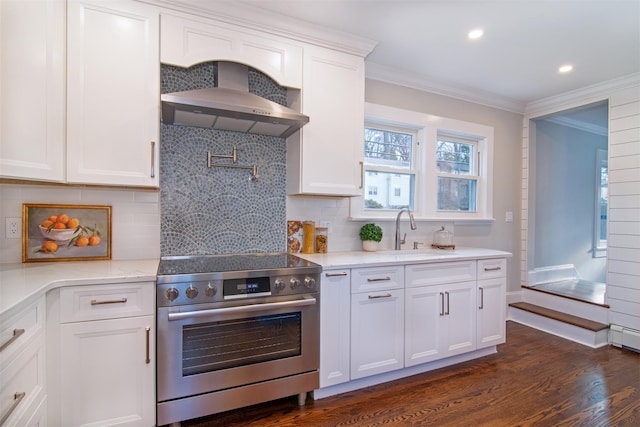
(412, 221)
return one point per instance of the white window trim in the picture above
(427, 126)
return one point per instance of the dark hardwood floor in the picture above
(535, 379)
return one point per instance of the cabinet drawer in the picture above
(376, 278)
(22, 383)
(492, 268)
(17, 330)
(439, 273)
(82, 303)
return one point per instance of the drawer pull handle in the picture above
(16, 334)
(481, 299)
(113, 301)
(147, 331)
(493, 269)
(380, 296)
(344, 273)
(17, 398)
(378, 279)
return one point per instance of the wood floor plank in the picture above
(535, 379)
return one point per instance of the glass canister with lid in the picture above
(322, 240)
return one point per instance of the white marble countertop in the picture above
(409, 256)
(21, 283)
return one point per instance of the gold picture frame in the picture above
(65, 232)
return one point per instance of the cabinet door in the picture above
(32, 89)
(324, 157)
(108, 372)
(377, 332)
(460, 315)
(491, 312)
(113, 91)
(424, 313)
(334, 327)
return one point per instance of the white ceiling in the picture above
(514, 64)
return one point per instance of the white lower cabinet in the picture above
(107, 377)
(103, 355)
(22, 367)
(377, 320)
(491, 312)
(440, 322)
(335, 312)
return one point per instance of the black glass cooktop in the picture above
(176, 265)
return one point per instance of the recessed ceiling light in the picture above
(476, 34)
(565, 68)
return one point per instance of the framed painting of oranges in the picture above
(65, 232)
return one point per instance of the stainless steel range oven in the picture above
(235, 330)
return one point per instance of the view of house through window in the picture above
(388, 168)
(456, 158)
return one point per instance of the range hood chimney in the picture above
(230, 106)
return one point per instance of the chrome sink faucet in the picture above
(412, 221)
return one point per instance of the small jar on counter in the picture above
(322, 240)
(308, 236)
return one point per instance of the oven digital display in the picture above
(246, 288)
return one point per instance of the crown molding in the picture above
(597, 92)
(243, 15)
(578, 124)
(388, 74)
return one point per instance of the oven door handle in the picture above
(242, 309)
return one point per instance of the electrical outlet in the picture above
(13, 228)
(509, 216)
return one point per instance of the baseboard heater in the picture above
(626, 338)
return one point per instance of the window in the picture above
(601, 204)
(388, 167)
(439, 168)
(456, 156)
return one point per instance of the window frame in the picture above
(427, 127)
(599, 245)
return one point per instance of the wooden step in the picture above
(561, 317)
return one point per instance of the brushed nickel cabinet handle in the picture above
(481, 299)
(147, 331)
(441, 304)
(493, 269)
(344, 273)
(7, 343)
(113, 301)
(380, 296)
(378, 279)
(447, 312)
(17, 398)
(153, 159)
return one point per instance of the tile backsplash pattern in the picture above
(218, 210)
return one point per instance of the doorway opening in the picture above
(568, 203)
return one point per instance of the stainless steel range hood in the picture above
(230, 106)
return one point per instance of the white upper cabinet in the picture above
(113, 93)
(32, 89)
(325, 157)
(189, 41)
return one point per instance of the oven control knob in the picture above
(211, 290)
(294, 283)
(191, 292)
(172, 293)
(279, 284)
(310, 282)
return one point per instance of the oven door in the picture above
(209, 347)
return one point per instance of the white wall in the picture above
(623, 278)
(343, 233)
(135, 216)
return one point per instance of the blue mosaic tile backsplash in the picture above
(218, 210)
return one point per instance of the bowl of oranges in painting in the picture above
(60, 228)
